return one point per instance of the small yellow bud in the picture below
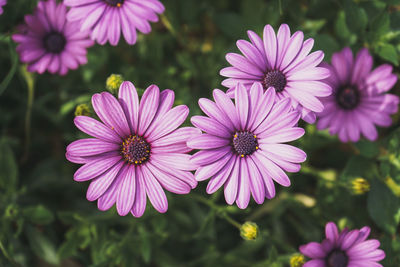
(113, 83)
(297, 260)
(82, 110)
(249, 231)
(360, 186)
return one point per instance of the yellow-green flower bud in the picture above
(297, 260)
(249, 231)
(113, 83)
(82, 110)
(360, 186)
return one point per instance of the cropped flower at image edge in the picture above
(345, 249)
(48, 42)
(107, 18)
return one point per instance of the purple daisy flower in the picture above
(242, 145)
(48, 42)
(282, 62)
(359, 100)
(136, 151)
(107, 18)
(2, 3)
(345, 249)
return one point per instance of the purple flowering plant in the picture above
(293, 161)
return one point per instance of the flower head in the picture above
(348, 248)
(249, 231)
(113, 83)
(297, 260)
(2, 3)
(360, 186)
(359, 100)
(107, 18)
(242, 144)
(48, 42)
(281, 62)
(137, 150)
(82, 110)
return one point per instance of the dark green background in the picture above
(45, 217)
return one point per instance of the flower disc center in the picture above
(54, 42)
(275, 79)
(135, 150)
(117, 3)
(244, 143)
(337, 258)
(348, 97)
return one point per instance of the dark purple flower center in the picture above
(245, 143)
(135, 150)
(54, 42)
(276, 79)
(117, 3)
(348, 97)
(337, 258)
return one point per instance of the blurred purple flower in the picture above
(345, 249)
(282, 62)
(136, 151)
(2, 3)
(241, 147)
(48, 42)
(359, 98)
(107, 18)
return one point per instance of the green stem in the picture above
(31, 92)
(220, 211)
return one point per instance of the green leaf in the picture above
(38, 215)
(14, 65)
(145, 244)
(380, 24)
(42, 246)
(357, 166)
(356, 17)
(230, 24)
(383, 207)
(8, 167)
(368, 149)
(387, 52)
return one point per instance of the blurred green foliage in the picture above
(45, 217)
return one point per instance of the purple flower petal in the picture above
(221, 177)
(211, 110)
(129, 101)
(225, 104)
(169, 122)
(206, 141)
(169, 182)
(154, 191)
(90, 147)
(313, 250)
(242, 105)
(99, 185)
(96, 129)
(139, 206)
(232, 184)
(175, 160)
(96, 167)
(243, 197)
(257, 186)
(126, 190)
(210, 126)
(148, 108)
(203, 173)
(205, 157)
